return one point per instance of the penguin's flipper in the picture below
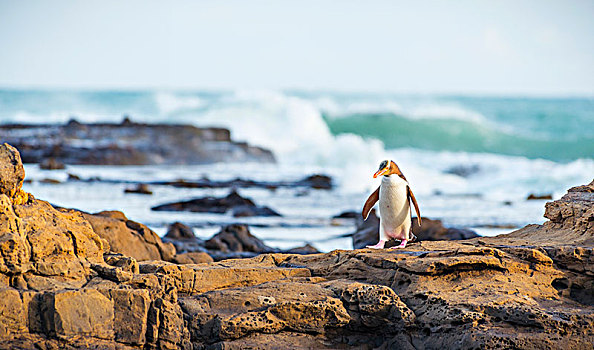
(369, 203)
(411, 197)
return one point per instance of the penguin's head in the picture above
(387, 168)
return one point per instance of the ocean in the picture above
(470, 160)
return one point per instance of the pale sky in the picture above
(491, 47)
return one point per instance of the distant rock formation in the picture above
(127, 143)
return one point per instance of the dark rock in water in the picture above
(250, 210)
(322, 182)
(463, 170)
(348, 215)
(139, 189)
(239, 205)
(73, 177)
(50, 181)
(533, 196)
(306, 249)
(128, 143)
(177, 230)
(432, 230)
(313, 181)
(51, 164)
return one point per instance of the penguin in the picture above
(394, 196)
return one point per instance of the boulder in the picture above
(239, 206)
(177, 230)
(129, 237)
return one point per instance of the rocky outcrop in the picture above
(61, 288)
(316, 181)
(127, 143)
(129, 237)
(238, 205)
(367, 232)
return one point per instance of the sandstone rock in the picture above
(77, 313)
(177, 230)
(192, 258)
(530, 289)
(12, 172)
(129, 237)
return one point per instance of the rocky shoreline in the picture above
(74, 280)
(127, 143)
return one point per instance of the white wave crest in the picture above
(169, 102)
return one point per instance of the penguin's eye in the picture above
(383, 165)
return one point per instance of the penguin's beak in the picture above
(380, 172)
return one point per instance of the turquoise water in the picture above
(560, 129)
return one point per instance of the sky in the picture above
(472, 47)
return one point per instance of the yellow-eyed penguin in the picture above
(394, 196)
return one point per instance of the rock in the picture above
(73, 177)
(75, 313)
(140, 189)
(127, 143)
(236, 238)
(192, 258)
(322, 182)
(463, 170)
(50, 181)
(239, 205)
(313, 181)
(251, 210)
(533, 196)
(129, 237)
(530, 289)
(177, 230)
(571, 220)
(306, 249)
(433, 230)
(347, 215)
(51, 164)
(12, 172)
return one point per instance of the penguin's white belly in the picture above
(394, 208)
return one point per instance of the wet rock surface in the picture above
(61, 286)
(316, 181)
(238, 205)
(127, 143)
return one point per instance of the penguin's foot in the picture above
(379, 245)
(402, 244)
